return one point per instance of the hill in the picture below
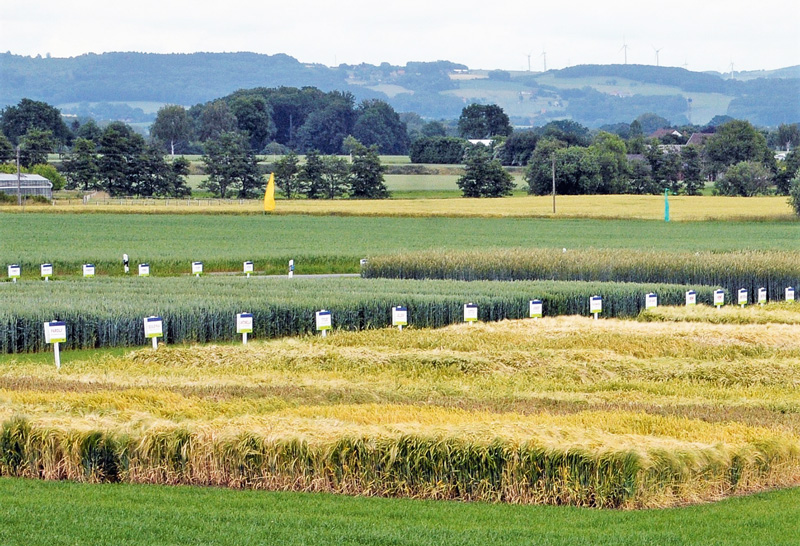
(131, 86)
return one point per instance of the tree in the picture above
(484, 176)
(89, 131)
(366, 174)
(611, 155)
(570, 132)
(231, 166)
(254, 117)
(80, 166)
(51, 173)
(324, 130)
(433, 128)
(640, 180)
(737, 141)
(787, 170)
(7, 152)
(794, 194)
(216, 118)
(311, 182)
(650, 122)
(479, 121)
(34, 146)
(538, 174)
(746, 179)
(692, 170)
(377, 123)
(518, 148)
(172, 127)
(786, 136)
(335, 177)
(118, 166)
(16, 121)
(287, 173)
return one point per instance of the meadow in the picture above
(109, 312)
(335, 244)
(562, 410)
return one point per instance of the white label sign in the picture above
(762, 295)
(596, 304)
(88, 270)
(742, 297)
(399, 316)
(153, 327)
(691, 297)
(197, 268)
(789, 293)
(719, 298)
(248, 267)
(244, 323)
(144, 270)
(55, 332)
(650, 301)
(47, 270)
(324, 320)
(535, 309)
(14, 271)
(470, 312)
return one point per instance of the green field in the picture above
(54, 514)
(321, 244)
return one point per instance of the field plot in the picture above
(109, 312)
(644, 207)
(334, 244)
(563, 410)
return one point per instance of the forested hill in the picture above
(174, 78)
(593, 95)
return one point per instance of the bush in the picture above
(746, 179)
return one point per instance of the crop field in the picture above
(563, 410)
(773, 270)
(643, 207)
(109, 312)
(335, 244)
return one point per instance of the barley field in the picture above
(563, 410)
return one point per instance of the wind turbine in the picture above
(544, 59)
(731, 67)
(656, 50)
(529, 60)
(624, 48)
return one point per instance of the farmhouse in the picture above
(29, 185)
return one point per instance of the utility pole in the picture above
(553, 157)
(19, 182)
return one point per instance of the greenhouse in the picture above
(28, 185)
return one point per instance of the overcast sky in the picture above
(697, 34)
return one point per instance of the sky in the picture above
(698, 35)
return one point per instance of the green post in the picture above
(666, 205)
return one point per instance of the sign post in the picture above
(691, 298)
(154, 329)
(88, 270)
(470, 313)
(126, 263)
(248, 268)
(789, 293)
(144, 270)
(291, 268)
(650, 301)
(399, 317)
(742, 297)
(244, 325)
(55, 332)
(596, 306)
(197, 268)
(762, 296)
(719, 298)
(46, 271)
(14, 272)
(324, 322)
(535, 309)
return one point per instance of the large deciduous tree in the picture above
(172, 127)
(484, 176)
(377, 123)
(254, 117)
(737, 141)
(231, 167)
(118, 166)
(479, 121)
(287, 173)
(16, 121)
(746, 179)
(80, 166)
